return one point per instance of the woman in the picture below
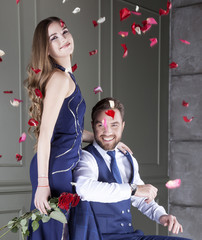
(60, 116)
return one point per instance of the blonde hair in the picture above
(40, 59)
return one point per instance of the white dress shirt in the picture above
(90, 189)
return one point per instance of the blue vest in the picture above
(111, 217)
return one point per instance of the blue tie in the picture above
(114, 167)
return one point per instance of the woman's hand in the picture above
(41, 196)
(123, 148)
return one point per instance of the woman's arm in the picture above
(87, 136)
(57, 89)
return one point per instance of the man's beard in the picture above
(108, 147)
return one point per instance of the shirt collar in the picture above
(101, 150)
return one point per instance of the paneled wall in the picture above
(140, 81)
(186, 137)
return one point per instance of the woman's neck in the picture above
(66, 63)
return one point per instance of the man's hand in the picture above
(147, 191)
(172, 223)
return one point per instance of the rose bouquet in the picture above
(65, 202)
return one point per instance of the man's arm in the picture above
(89, 188)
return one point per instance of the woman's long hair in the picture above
(40, 59)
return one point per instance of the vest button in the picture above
(122, 212)
(129, 224)
(122, 225)
(128, 210)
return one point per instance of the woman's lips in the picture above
(66, 45)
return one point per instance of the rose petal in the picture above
(32, 122)
(93, 52)
(173, 184)
(8, 92)
(133, 26)
(22, 138)
(1, 59)
(62, 23)
(38, 93)
(36, 70)
(186, 119)
(136, 13)
(0, 156)
(76, 10)
(124, 13)
(17, 1)
(2, 53)
(173, 65)
(104, 123)
(123, 34)
(95, 23)
(137, 8)
(165, 12)
(101, 20)
(75, 200)
(162, 12)
(111, 103)
(145, 28)
(97, 89)
(74, 67)
(63, 1)
(138, 30)
(125, 50)
(185, 41)
(169, 5)
(110, 113)
(18, 157)
(153, 41)
(15, 103)
(185, 104)
(151, 21)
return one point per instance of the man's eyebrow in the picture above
(97, 122)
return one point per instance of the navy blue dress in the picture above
(64, 155)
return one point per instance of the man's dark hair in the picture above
(104, 104)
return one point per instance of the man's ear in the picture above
(124, 124)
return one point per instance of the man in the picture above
(109, 180)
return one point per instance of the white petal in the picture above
(101, 20)
(137, 8)
(14, 103)
(76, 10)
(111, 103)
(2, 53)
(138, 31)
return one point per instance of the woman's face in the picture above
(61, 43)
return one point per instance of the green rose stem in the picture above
(17, 221)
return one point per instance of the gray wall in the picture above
(185, 158)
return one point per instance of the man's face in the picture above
(108, 131)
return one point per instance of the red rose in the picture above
(65, 200)
(75, 200)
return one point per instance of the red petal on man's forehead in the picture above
(110, 113)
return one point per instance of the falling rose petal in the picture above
(62, 23)
(2, 53)
(32, 122)
(124, 13)
(110, 113)
(0, 156)
(153, 41)
(18, 157)
(76, 10)
(17, 1)
(95, 23)
(63, 1)
(133, 26)
(101, 20)
(186, 119)
(145, 28)
(151, 21)
(38, 93)
(36, 70)
(8, 92)
(173, 65)
(1, 59)
(169, 5)
(136, 13)
(137, 8)
(138, 30)
(125, 50)
(185, 104)
(93, 52)
(171, 184)
(104, 123)
(16, 102)
(185, 41)
(22, 138)
(111, 103)
(165, 12)
(74, 67)
(97, 89)
(162, 12)
(123, 34)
